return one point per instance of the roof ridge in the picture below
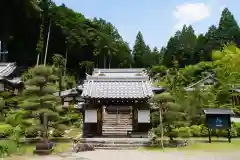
(119, 78)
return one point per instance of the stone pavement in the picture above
(140, 155)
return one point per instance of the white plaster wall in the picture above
(90, 116)
(143, 116)
(1, 87)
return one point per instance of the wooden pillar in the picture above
(100, 119)
(134, 118)
(209, 136)
(229, 135)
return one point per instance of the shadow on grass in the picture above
(27, 149)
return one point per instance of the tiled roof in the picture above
(130, 72)
(117, 87)
(119, 70)
(218, 111)
(7, 68)
(16, 80)
(68, 92)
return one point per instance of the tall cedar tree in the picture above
(139, 50)
(228, 28)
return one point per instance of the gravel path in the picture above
(140, 155)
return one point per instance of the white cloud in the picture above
(189, 13)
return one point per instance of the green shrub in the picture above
(236, 126)
(61, 127)
(233, 133)
(196, 130)
(57, 133)
(204, 131)
(5, 130)
(174, 133)
(7, 147)
(32, 132)
(77, 124)
(224, 133)
(157, 131)
(184, 132)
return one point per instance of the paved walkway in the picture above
(140, 155)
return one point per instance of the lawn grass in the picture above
(216, 145)
(73, 133)
(27, 149)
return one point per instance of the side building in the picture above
(116, 103)
(9, 78)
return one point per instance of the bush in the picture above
(32, 132)
(157, 131)
(77, 124)
(234, 133)
(184, 132)
(57, 133)
(7, 147)
(196, 130)
(204, 131)
(236, 126)
(61, 127)
(224, 133)
(174, 133)
(5, 130)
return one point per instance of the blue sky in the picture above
(156, 19)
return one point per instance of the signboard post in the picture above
(218, 118)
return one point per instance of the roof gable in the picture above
(207, 81)
(117, 83)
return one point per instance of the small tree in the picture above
(171, 114)
(38, 96)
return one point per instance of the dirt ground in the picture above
(137, 154)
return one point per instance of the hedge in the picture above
(200, 131)
(5, 130)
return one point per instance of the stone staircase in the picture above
(116, 125)
(117, 143)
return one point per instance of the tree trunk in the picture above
(65, 64)
(161, 125)
(45, 125)
(38, 59)
(110, 60)
(48, 36)
(104, 61)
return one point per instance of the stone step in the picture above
(116, 127)
(124, 119)
(116, 130)
(116, 123)
(118, 145)
(116, 140)
(113, 135)
(104, 116)
(114, 116)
